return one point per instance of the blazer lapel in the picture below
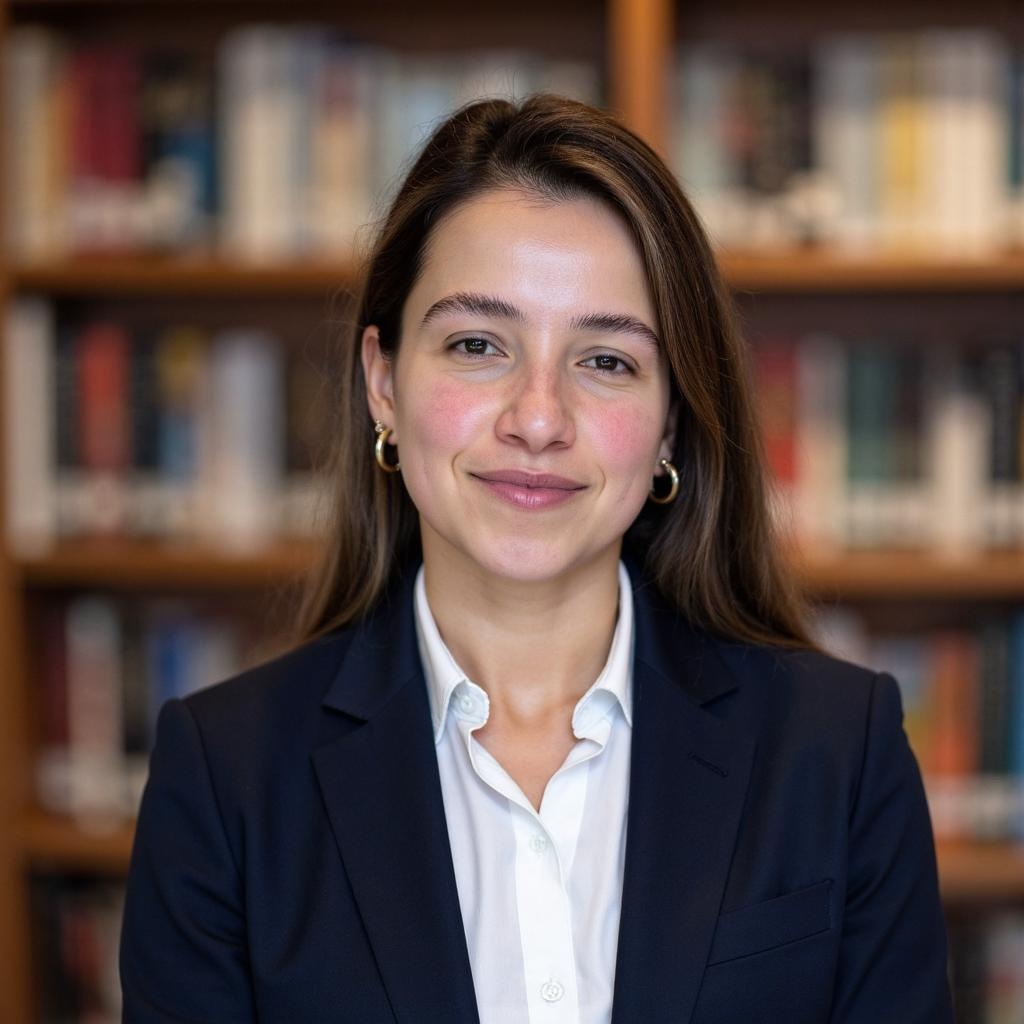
(382, 791)
(689, 773)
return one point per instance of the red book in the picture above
(775, 391)
(102, 352)
(120, 86)
(53, 732)
(83, 93)
(953, 750)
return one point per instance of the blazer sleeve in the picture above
(183, 950)
(893, 954)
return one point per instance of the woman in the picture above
(556, 746)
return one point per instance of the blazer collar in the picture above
(382, 791)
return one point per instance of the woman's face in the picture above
(528, 348)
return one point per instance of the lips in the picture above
(545, 481)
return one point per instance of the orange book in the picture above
(953, 750)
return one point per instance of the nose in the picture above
(537, 413)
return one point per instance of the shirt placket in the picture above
(545, 846)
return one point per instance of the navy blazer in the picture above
(291, 860)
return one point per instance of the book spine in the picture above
(245, 467)
(102, 355)
(95, 727)
(29, 428)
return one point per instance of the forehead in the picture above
(548, 257)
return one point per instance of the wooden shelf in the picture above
(967, 871)
(796, 270)
(143, 275)
(970, 872)
(126, 565)
(52, 841)
(810, 269)
(901, 574)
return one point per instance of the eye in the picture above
(607, 364)
(474, 347)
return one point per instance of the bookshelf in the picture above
(781, 272)
(634, 42)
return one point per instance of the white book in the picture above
(846, 133)
(986, 60)
(703, 91)
(943, 157)
(259, 121)
(413, 95)
(820, 441)
(243, 450)
(430, 90)
(340, 198)
(389, 141)
(958, 439)
(29, 425)
(95, 730)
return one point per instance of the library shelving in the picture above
(783, 271)
(633, 44)
(628, 40)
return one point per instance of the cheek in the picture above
(626, 440)
(444, 417)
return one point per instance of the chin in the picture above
(528, 560)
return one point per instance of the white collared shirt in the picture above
(540, 893)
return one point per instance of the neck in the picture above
(534, 646)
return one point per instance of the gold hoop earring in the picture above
(673, 490)
(383, 433)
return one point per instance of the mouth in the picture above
(530, 481)
(531, 491)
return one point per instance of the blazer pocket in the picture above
(775, 922)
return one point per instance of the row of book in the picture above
(103, 669)
(76, 926)
(173, 433)
(986, 967)
(889, 140)
(289, 140)
(963, 701)
(200, 435)
(894, 442)
(283, 143)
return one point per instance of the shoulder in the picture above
(804, 678)
(263, 710)
(811, 700)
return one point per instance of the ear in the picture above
(668, 439)
(380, 385)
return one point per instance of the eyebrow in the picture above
(488, 305)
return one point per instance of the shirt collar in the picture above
(443, 675)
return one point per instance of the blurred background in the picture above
(186, 189)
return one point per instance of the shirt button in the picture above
(466, 702)
(538, 843)
(551, 991)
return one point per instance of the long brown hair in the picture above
(712, 552)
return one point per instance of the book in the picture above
(29, 425)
